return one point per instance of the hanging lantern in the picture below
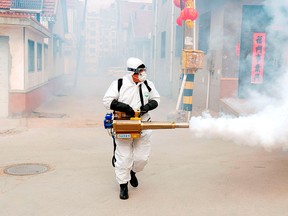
(189, 13)
(189, 23)
(178, 4)
(179, 21)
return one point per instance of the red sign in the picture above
(237, 49)
(258, 58)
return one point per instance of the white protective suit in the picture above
(131, 154)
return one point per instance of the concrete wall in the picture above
(21, 104)
(167, 70)
(16, 50)
(27, 90)
(20, 79)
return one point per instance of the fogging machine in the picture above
(125, 127)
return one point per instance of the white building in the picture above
(31, 60)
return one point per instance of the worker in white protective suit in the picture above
(136, 93)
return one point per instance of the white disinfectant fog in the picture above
(268, 125)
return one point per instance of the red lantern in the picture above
(179, 21)
(177, 3)
(189, 13)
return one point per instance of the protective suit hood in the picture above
(134, 63)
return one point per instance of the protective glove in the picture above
(152, 104)
(122, 107)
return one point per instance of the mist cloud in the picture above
(268, 126)
(93, 5)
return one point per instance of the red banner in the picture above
(258, 58)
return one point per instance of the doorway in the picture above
(4, 81)
(259, 58)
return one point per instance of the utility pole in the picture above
(192, 60)
(80, 44)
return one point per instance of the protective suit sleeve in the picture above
(154, 95)
(122, 107)
(152, 104)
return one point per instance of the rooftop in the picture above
(18, 7)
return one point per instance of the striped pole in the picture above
(188, 92)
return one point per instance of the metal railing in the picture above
(30, 5)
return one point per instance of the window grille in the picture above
(27, 5)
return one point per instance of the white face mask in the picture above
(142, 76)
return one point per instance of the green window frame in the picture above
(163, 44)
(39, 56)
(31, 56)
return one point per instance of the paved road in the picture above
(186, 176)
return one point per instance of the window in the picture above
(178, 41)
(39, 57)
(45, 57)
(31, 56)
(163, 44)
(57, 48)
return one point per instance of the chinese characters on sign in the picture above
(258, 55)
